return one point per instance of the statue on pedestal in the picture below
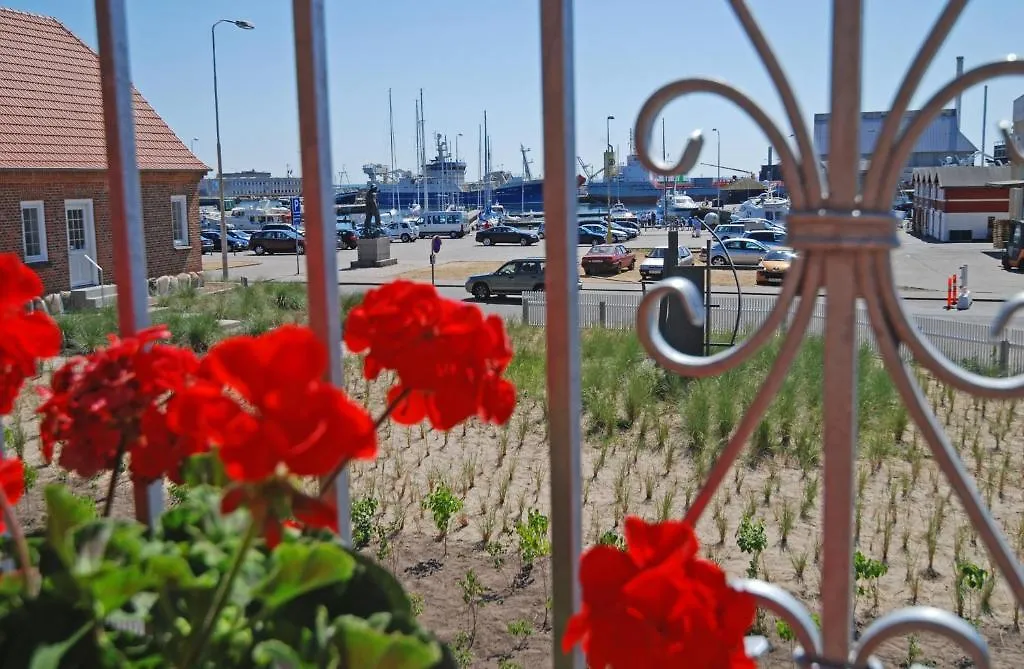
(372, 219)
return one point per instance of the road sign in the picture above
(435, 244)
(296, 211)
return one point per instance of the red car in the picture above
(608, 258)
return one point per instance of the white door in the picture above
(81, 242)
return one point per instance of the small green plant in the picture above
(612, 538)
(363, 511)
(416, 604)
(868, 570)
(472, 595)
(970, 579)
(176, 492)
(462, 650)
(534, 543)
(752, 540)
(520, 630)
(784, 631)
(443, 505)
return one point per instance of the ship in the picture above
(624, 183)
(442, 184)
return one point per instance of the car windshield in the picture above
(602, 250)
(657, 253)
(780, 255)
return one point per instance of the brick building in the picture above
(954, 204)
(54, 197)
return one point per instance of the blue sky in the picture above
(470, 55)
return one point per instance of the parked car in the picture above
(630, 233)
(628, 225)
(730, 230)
(348, 238)
(653, 265)
(277, 241)
(540, 230)
(234, 243)
(602, 232)
(774, 266)
(402, 231)
(281, 226)
(590, 236)
(513, 277)
(770, 238)
(446, 223)
(742, 251)
(504, 234)
(608, 258)
(205, 244)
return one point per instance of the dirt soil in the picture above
(501, 473)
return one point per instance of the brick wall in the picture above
(53, 187)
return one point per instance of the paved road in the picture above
(921, 269)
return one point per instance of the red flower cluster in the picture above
(112, 402)
(448, 356)
(263, 402)
(658, 605)
(24, 337)
(12, 484)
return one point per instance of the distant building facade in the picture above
(940, 143)
(252, 184)
(955, 204)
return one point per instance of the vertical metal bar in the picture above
(127, 233)
(840, 379)
(563, 339)
(321, 252)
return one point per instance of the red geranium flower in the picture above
(448, 356)
(277, 410)
(12, 484)
(24, 337)
(109, 403)
(266, 502)
(658, 605)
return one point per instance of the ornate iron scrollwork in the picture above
(859, 232)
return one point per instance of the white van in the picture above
(445, 223)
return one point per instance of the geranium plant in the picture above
(246, 570)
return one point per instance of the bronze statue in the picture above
(372, 211)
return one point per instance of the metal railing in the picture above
(843, 231)
(103, 297)
(965, 343)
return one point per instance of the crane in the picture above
(586, 170)
(526, 163)
(731, 169)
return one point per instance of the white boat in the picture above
(767, 205)
(253, 215)
(681, 204)
(619, 212)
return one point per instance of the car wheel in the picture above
(523, 241)
(718, 261)
(453, 235)
(588, 271)
(481, 291)
(487, 241)
(300, 249)
(258, 249)
(632, 264)
(406, 238)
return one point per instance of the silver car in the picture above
(654, 264)
(514, 277)
(742, 252)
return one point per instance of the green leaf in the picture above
(113, 586)
(301, 568)
(275, 652)
(65, 512)
(374, 589)
(369, 647)
(49, 656)
(204, 469)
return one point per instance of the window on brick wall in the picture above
(33, 231)
(179, 219)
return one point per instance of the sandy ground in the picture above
(501, 473)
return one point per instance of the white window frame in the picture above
(37, 206)
(180, 241)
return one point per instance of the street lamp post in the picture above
(457, 146)
(192, 145)
(244, 25)
(718, 165)
(607, 174)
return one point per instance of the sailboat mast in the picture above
(479, 162)
(664, 184)
(423, 152)
(391, 136)
(420, 180)
(487, 166)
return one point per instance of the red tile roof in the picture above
(51, 107)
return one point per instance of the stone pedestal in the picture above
(374, 253)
